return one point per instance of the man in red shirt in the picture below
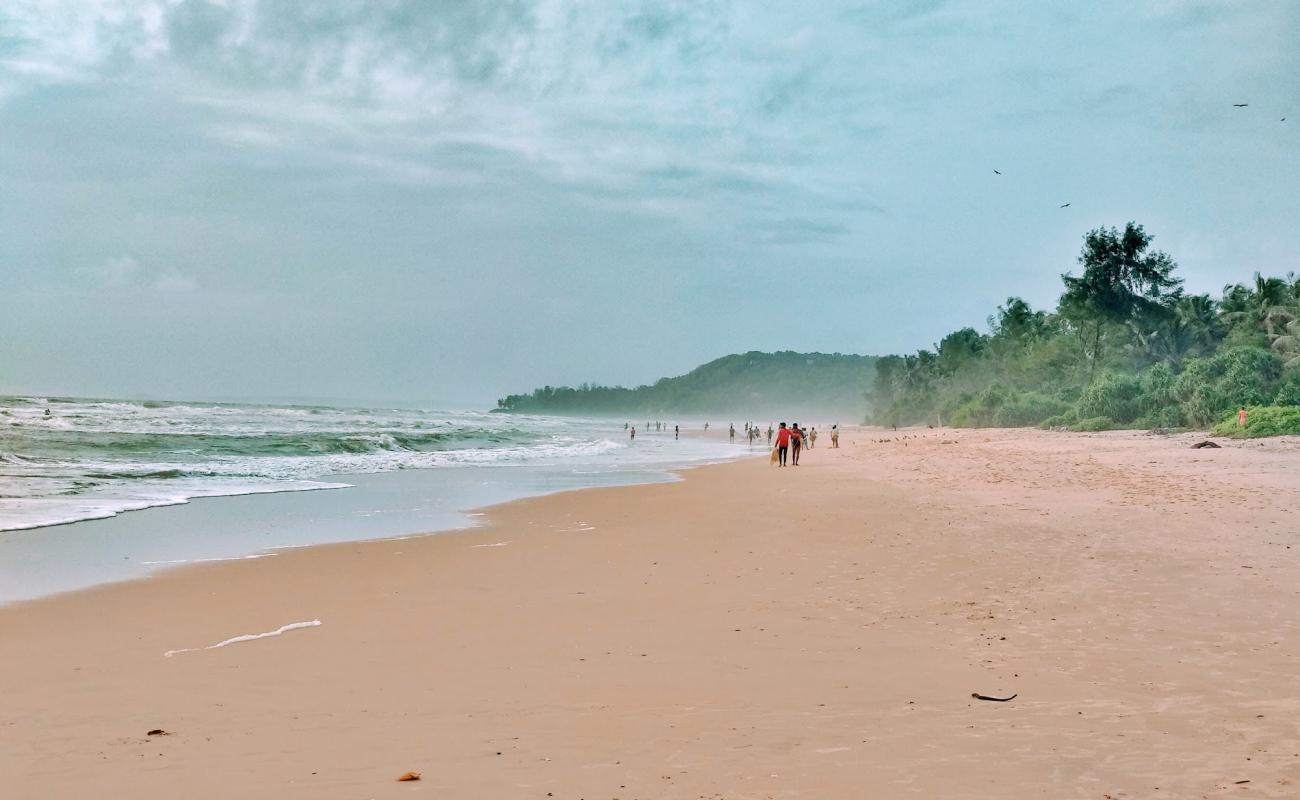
(782, 443)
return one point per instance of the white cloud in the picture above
(114, 273)
(124, 272)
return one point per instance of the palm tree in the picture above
(1192, 328)
(1266, 307)
(1287, 343)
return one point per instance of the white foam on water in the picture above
(496, 544)
(247, 637)
(207, 560)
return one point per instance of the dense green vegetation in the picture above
(1125, 347)
(1263, 421)
(787, 384)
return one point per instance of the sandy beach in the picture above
(747, 632)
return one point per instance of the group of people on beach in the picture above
(658, 426)
(790, 439)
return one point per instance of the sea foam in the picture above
(247, 637)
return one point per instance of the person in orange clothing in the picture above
(782, 444)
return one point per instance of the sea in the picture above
(98, 490)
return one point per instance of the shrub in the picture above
(1028, 409)
(1158, 387)
(1164, 417)
(980, 411)
(1064, 420)
(1211, 387)
(1263, 421)
(1118, 397)
(1288, 393)
(1093, 424)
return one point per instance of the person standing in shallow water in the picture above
(677, 431)
(733, 433)
(782, 444)
(633, 433)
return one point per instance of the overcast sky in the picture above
(441, 202)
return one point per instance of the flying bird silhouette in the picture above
(995, 172)
(1067, 205)
(1240, 105)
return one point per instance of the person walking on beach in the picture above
(835, 436)
(782, 444)
(812, 438)
(796, 443)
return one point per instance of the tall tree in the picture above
(1121, 285)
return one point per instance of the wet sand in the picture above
(748, 632)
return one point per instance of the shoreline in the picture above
(744, 632)
(52, 559)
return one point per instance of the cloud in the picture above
(120, 273)
(114, 273)
(583, 93)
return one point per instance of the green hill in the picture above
(783, 385)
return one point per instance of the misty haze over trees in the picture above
(1125, 347)
(784, 383)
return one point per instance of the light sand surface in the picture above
(748, 632)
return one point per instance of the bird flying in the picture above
(1240, 105)
(995, 172)
(1066, 205)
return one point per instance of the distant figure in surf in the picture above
(47, 413)
(733, 433)
(625, 424)
(677, 431)
(706, 426)
(769, 433)
(633, 433)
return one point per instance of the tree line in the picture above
(1125, 347)
(823, 384)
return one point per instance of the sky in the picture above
(438, 203)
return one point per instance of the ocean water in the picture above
(101, 490)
